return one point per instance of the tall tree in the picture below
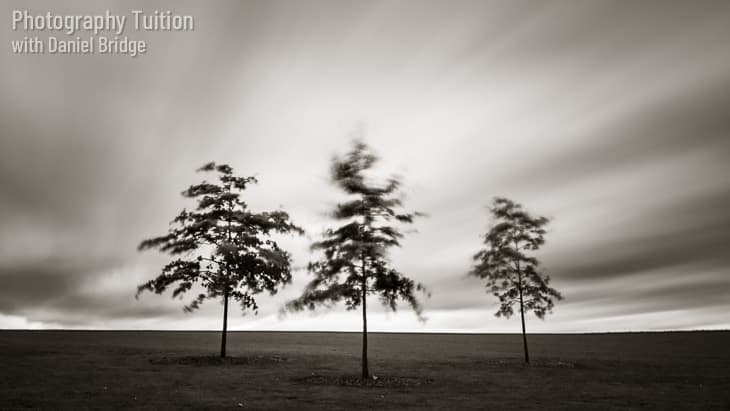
(354, 260)
(223, 246)
(513, 276)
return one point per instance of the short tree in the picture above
(512, 275)
(223, 246)
(354, 262)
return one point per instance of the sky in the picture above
(612, 118)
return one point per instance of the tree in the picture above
(354, 260)
(223, 246)
(512, 275)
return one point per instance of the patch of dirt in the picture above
(217, 360)
(373, 382)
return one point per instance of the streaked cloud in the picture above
(612, 118)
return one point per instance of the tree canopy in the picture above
(354, 261)
(513, 276)
(222, 246)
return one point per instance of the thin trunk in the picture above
(224, 332)
(524, 334)
(225, 324)
(365, 372)
(522, 306)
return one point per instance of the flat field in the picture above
(280, 370)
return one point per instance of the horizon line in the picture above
(369, 332)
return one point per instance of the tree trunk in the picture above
(225, 324)
(365, 372)
(524, 335)
(522, 308)
(225, 290)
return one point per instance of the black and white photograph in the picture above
(371, 204)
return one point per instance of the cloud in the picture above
(44, 283)
(610, 119)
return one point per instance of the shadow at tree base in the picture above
(217, 360)
(536, 363)
(373, 382)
